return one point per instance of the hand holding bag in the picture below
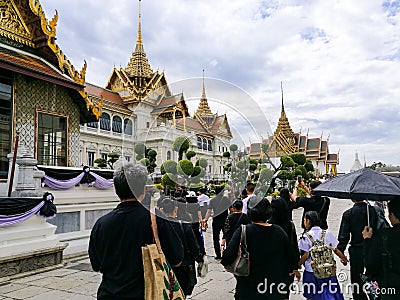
(241, 264)
(159, 278)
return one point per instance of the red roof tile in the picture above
(101, 92)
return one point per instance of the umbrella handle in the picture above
(368, 222)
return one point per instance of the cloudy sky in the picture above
(339, 61)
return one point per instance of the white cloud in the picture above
(339, 60)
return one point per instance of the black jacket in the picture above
(115, 249)
(315, 203)
(382, 260)
(353, 222)
(190, 244)
(271, 261)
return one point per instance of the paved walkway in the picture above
(77, 281)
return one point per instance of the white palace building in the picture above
(138, 106)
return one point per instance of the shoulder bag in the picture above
(159, 279)
(241, 264)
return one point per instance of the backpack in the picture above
(322, 260)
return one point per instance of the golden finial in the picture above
(138, 64)
(203, 92)
(139, 36)
(203, 105)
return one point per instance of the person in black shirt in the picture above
(117, 238)
(271, 257)
(233, 222)
(382, 254)
(219, 205)
(314, 203)
(193, 208)
(281, 216)
(285, 195)
(186, 272)
(353, 222)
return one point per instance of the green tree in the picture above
(190, 154)
(101, 163)
(169, 179)
(140, 150)
(112, 158)
(185, 167)
(226, 154)
(181, 145)
(233, 148)
(202, 162)
(169, 166)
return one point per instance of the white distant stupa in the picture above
(356, 164)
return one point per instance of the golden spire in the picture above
(138, 65)
(283, 123)
(203, 108)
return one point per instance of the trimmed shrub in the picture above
(169, 166)
(202, 162)
(233, 147)
(190, 154)
(169, 179)
(185, 167)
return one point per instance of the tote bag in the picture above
(159, 278)
(241, 264)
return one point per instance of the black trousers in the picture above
(186, 276)
(218, 227)
(357, 268)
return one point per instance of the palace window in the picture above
(199, 143)
(117, 124)
(168, 155)
(209, 145)
(90, 160)
(128, 126)
(105, 121)
(52, 140)
(104, 156)
(5, 121)
(204, 144)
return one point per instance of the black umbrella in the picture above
(364, 184)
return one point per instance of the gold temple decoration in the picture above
(203, 108)
(49, 28)
(12, 25)
(96, 107)
(138, 65)
(284, 137)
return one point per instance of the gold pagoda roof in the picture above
(203, 108)
(138, 65)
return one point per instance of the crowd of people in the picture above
(276, 251)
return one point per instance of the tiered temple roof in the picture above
(28, 46)
(138, 83)
(285, 142)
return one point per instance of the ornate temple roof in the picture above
(109, 99)
(283, 140)
(203, 108)
(138, 65)
(29, 47)
(29, 64)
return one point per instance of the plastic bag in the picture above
(202, 268)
